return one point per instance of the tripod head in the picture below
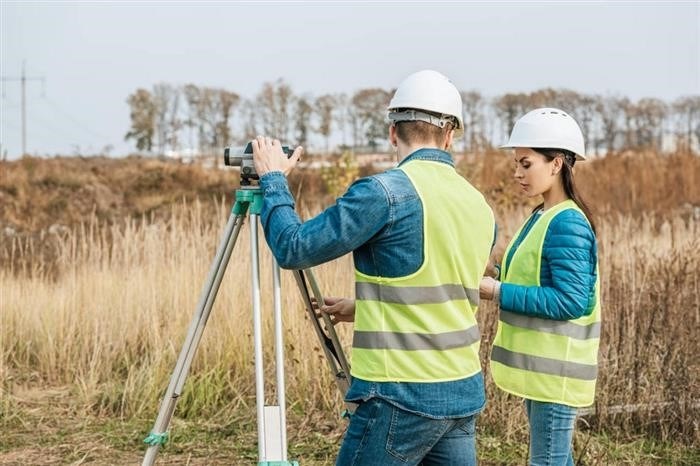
(245, 161)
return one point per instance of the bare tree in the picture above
(629, 115)
(567, 100)
(174, 122)
(347, 115)
(585, 113)
(370, 105)
(195, 121)
(687, 112)
(302, 116)
(341, 115)
(285, 98)
(224, 103)
(166, 99)
(143, 119)
(610, 110)
(473, 115)
(510, 107)
(547, 97)
(250, 121)
(190, 114)
(324, 106)
(274, 106)
(265, 105)
(210, 111)
(650, 114)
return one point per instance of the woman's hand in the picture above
(339, 309)
(489, 288)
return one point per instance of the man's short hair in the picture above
(415, 132)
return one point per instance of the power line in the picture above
(48, 124)
(75, 121)
(23, 79)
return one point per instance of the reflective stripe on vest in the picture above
(422, 327)
(416, 341)
(544, 359)
(532, 363)
(416, 294)
(559, 327)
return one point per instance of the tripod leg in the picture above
(325, 331)
(279, 358)
(257, 338)
(329, 326)
(272, 429)
(158, 435)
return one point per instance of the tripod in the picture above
(271, 420)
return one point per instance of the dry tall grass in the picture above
(109, 319)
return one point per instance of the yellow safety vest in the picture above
(543, 359)
(422, 327)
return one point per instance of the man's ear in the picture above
(449, 138)
(393, 138)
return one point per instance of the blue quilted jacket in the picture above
(567, 275)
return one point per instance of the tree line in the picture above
(206, 119)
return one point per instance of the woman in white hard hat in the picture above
(546, 346)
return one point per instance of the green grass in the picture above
(53, 429)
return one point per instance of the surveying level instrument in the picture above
(244, 160)
(271, 420)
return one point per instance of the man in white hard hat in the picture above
(421, 236)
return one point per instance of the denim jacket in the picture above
(380, 220)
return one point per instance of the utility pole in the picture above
(23, 79)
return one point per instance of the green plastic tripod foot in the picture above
(156, 439)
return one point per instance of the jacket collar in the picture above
(435, 155)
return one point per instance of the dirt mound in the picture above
(36, 193)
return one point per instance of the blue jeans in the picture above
(551, 432)
(384, 435)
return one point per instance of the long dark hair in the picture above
(567, 176)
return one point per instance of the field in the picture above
(101, 266)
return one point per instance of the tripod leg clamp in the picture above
(154, 439)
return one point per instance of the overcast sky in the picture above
(92, 55)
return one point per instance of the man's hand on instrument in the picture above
(339, 309)
(268, 156)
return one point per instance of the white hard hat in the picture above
(547, 128)
(430, 91)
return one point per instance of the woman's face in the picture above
(534, 172)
